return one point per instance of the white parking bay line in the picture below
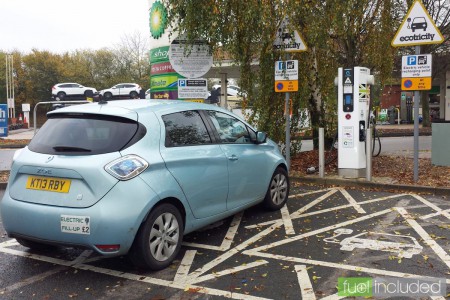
(318, 212)
(9, 243)
(31, 280)
(185, 266)
(427, 239)
(310, 193)
(228, 239)
(431, 205)
(313, 203)
(314, 232)
(306, 288)
(288, 227)
(231, 271)
(442, 212)
(352, 201)
(83, 257)
(333, 297)
(340, 266)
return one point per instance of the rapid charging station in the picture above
(353, 119)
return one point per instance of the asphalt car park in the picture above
(299, 252)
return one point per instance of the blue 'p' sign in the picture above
(411, 60)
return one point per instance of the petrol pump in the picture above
(353, 119)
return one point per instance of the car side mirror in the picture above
(261, 137)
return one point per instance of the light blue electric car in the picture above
(134, 176)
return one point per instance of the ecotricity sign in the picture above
(417, 28)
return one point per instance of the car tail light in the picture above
(53, 88)
(108, 248)
(126, 167)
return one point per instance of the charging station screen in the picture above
(348, 99)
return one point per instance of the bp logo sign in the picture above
(158, 19)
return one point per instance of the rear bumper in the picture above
(115, 219)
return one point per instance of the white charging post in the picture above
(353, 111)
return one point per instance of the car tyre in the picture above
(278, 190)
(133, 95)
(159, 238)
(61, 95)
(35, 245)
(107, 96)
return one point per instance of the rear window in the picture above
(86, 135)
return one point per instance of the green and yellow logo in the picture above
(158, 20)
(355, 286)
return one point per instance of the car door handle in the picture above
(233, 157)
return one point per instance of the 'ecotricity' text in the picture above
(287, 46)
(417, 37)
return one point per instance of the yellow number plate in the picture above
(48, 184)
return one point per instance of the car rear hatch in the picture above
(64, 163)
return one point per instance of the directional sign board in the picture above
(416, 65)
(192, 88)
(287, 39)
(286, 70)
(417, 28)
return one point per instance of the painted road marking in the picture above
(338, 265)
(425, 236)
(231, 271)
(185, 266)
(333, 297)
(314, 232)
(310, 193)
(288, 227)
(340, 207)
(228, 239)
(183, 280)
(31, 280)
(431, 205)
(352, 201)
(306, 287)
(439, 213)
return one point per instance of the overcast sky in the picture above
(63, 25)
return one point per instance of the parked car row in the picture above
(72, 90)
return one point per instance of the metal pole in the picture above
(369, 153)
(6, 76)
(416, 128)
(288, 132)
(321, 153)
(288, 126)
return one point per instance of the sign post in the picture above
(417, 29)
(285, 71)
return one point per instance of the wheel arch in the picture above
(170, 200)
(282, 165)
